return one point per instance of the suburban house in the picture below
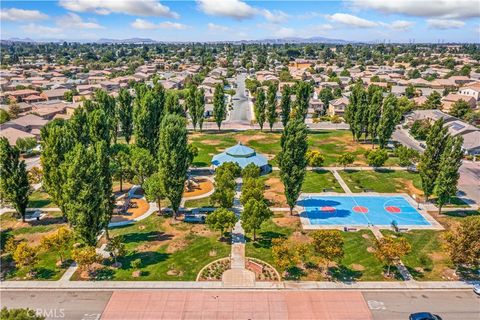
(455, 126)
(338, 106)
(449, 100)
(472, 90)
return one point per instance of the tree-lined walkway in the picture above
(238, 275)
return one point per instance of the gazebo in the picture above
(243, 156)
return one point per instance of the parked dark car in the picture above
(424, 316)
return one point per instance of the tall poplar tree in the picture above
(219, 105)
(14, 185)
(199, 108)
(352, 107)
(259, 107)
(148, 113)
(272, 105)
(285, 105)
(107, 103)
(125, 113)
(86, 200)
(374, 113)
(190, 99)
(57, 141)
(173, 158)
(386, 126)
(447, 179)
(430, 161)
(302, 101)
(292, 159)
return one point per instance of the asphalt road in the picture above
(384, 305)
(449, 305)
(241, 103)
(70, 305)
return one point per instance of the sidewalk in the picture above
(261, 285)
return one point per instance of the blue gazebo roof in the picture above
(240, 154)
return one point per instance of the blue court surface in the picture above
(361, 211)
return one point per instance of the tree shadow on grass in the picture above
(383, 170)
(147, 258)
(344, 273)
(265, 239)
(146, 236)
(40, 203)
(294, 273)
(44, 273)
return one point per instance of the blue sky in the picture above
(212, 20)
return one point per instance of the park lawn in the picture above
(198, 203)
(32, 232)
(384, 181)
(331, 143)
(317, 180)
(168, 251)
(357, 264)
(427, 260)
(40, 199)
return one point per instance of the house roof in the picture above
(13, 134)
(30, 120)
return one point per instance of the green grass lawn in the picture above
(427, 260)
(357, 264)
(332, 144)
(316, 181)
(149, 241)
(40, 199)
(198, 203)
(46, 268)
(386, 181)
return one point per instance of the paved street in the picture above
(402, 136)
(259, 304)
(469, 183)
(241, 104)
(58, 304)
(450, 305)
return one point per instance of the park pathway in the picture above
(238, 275)
(341, 182)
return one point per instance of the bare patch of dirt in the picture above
(410, 188)
(275, 192)
(177, 245)
(365, 236)
(212, 142)
(371, 249)
(246, 139)
(286, 220)
(358, 267)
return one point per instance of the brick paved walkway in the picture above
(258, 305)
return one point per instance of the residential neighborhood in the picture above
(239, 160)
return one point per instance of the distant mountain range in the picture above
(147, 41)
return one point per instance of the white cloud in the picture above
(351, 20)
(322, 27)
(139, 8)
(400, 25)
(424, 8)
(147, 25)
(236, 9)
(14, 14)
(445, 24)
(33, 28)
(72, 20)
(217, 28)
(275, 16)
(283, 32)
